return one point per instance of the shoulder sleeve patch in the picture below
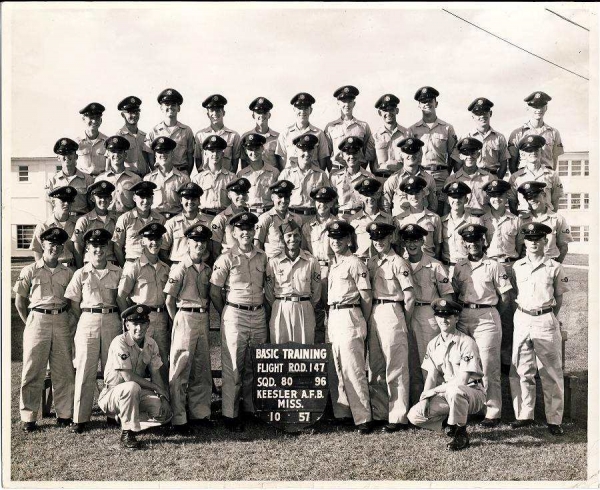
(363, 274)
(405, 273)
(124, 356)
(504, 276)
(565, 279)
(445, 280)
(467, 357)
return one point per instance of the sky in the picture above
(63, 56)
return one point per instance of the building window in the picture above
(586, 201)
(563, 203)
(23, 173)
(586, 233)
(575, 167)
(576, 233)
(575, 201)
(24, 236)
(586, 167)
(563, 168)
(58, 168)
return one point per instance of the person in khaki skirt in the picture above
(293, 288)
(393, 300)
(190, 379)
(93, 295)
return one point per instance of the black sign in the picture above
(291, 383)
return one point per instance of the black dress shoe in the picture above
(112, 422)
(505, 369)
(394, 427)
(364, 428)
(28, 426)
(128, 440)
(345, 421)
(459, 441)
(450, 430)
(489, 423)
(182, 429)
(234, 424)
(78, 428)
(519, 424)
(61, 422)
(206, 423)
(555, 430)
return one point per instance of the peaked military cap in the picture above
(65, 146)
(282, 187)
(426, 93)
(339, 229)
(412, 231)
(480, 105)
(351, 144)
(306, 141)
(413, 184)
(531, 188)
(239, 186)
(472, 232)
(468, 146)
(323, 194)
(101, 188)
(535, 230)
(253, 140)
(137, 314)
(214, 143)
(163, 144)
(198, 233)
(531, 143)
(92, 109)
(170, 95)
(537, 99)
(152, 230)
(410, 145)
(190, 190)
(260, 105)
(116, 143)
(387, 101)
(131, 103)
(377, 231)
(445, 307)
(289, 227)
(347, 92)
(303, 99)
(456, 189)
(54, 235)
(214, 101)
(368, 187)
(99, 236)
(65, 193)
(496, 187)
(143, 188)
(244, 220)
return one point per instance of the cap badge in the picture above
(409, 142)
(411, 180)
(284, 184)
(169, 92)
(480, 102)
(115, 140)
(455, 185)
(161, 140)
(387, 98)
(93, 106)
(531, 227)
(261, 100)
(132, 100)
(346, 90)
(56, 232)
(301, 97)
(68, 190)
(527, 186)
(409, 228)
(424, 91)
(63, 142)
(443, 302)
(350, 140)
(335, 226)
(103, 185)
(530, 139)
(366, 183)
(373, 227)
(471, 228)
(244, 217)
(251, 137)
(139, 309)
(154, 226)
(214, 138)
(538, 95)
(307, 138)
(494, 183)
(96, 232)
(215, 97)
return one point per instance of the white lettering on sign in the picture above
(289, 404)
(267, 353)
(269, 367)
(300, 354)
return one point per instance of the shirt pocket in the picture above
(40, 287)
(83, 151)
(439, 142)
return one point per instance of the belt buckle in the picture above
(105, 311)
(537, 312)
(295, 299)
(473, 306)
(55, 312)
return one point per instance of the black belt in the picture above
(294, 299)
(57, 311)
(211, 211)
(259, 209)
(304, 211)
(541, 311)
(433, 168)
(103, 311)
(473, 306)
(336, 306)
(504, 260)
(244, 307)
(193, 310)
(383, 173)
(386, 301)
(447, 262)
(157, 309)
(422, 303)
(350, 211)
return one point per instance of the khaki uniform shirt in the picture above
(551, 150)
(343, 182)
(430, 280)
(174, 239)
(479, 282)
(347, 276)
(304, 182)
(135, 161)
(453, 245)
(122, 196)
(242, 277)
(268, 148)
(299, 277)
(439, 141)
(395, 200)
(143, 282)
(387, 155)
(554, 187)
(182, 135)
(221, 229)
(478, 198)
(93, 288)
(360, 221)
(189, 284)
(127, 228)
(390, 276)
(458, 354)
(80, 181)
(68, 226)
(494, 151)
(287, 150)
(502, 235)
(92, 154)
(45, 288)
(214, 186)
(91, 221)
(561, 234)
(259, 194)
(427, 220)
(166, 199)
(234, 144)
(538, 285)
(316, 238)
(268, 233)
(339, 129)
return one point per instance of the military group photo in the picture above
(428, 259)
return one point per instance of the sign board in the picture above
(291, 383)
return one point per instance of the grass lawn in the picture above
(327, 453)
